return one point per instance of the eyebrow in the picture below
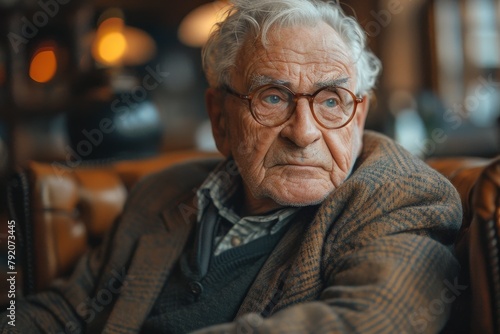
(258, 80)
(340, 82)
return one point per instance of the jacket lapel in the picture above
(151, 264)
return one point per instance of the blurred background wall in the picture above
(104, 80)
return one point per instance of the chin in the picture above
(299, 200)
(299, 203)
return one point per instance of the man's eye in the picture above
(331, 103)
(272, 99)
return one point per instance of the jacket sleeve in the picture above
(58, 309)
(392, 273)
(409, 291)
(83, 302)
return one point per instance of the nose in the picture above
(302, 129)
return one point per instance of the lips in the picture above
(294, 163)
(285, 157)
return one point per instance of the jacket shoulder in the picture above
(172, 182)
(392, 191)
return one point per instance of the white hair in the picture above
(254, 18)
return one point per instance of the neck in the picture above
(247, 205)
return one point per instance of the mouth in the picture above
(284, 159)
(298, 165)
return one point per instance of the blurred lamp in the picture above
(116, 44)
(43, 66)
(110, 44)
(195, 28)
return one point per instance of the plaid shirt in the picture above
(219, 189)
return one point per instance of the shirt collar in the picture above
(220, 187)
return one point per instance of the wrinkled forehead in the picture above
(294, 54)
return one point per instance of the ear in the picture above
(217, 115)
(362, 113)
(359, 121)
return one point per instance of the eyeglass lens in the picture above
(273, 105)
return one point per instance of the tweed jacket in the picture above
(374, 257)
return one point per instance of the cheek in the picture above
(250, 143)
(344, 145)
(357, 140)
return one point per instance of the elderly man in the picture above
(310, 224)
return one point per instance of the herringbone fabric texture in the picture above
(375, 257)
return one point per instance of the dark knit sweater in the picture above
(188, 302)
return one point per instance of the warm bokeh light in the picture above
(111, 47)
(43, 66)
(115, 44)
(141, 47)
(112, 24)
(109, 44)
(195, 28)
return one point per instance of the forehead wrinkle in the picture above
(271, 64)
(339, 72)
(259, 80)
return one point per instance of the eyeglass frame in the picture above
(296, 96)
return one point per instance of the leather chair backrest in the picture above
(61, 211)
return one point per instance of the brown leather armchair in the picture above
(59, 213)
(478, 243)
